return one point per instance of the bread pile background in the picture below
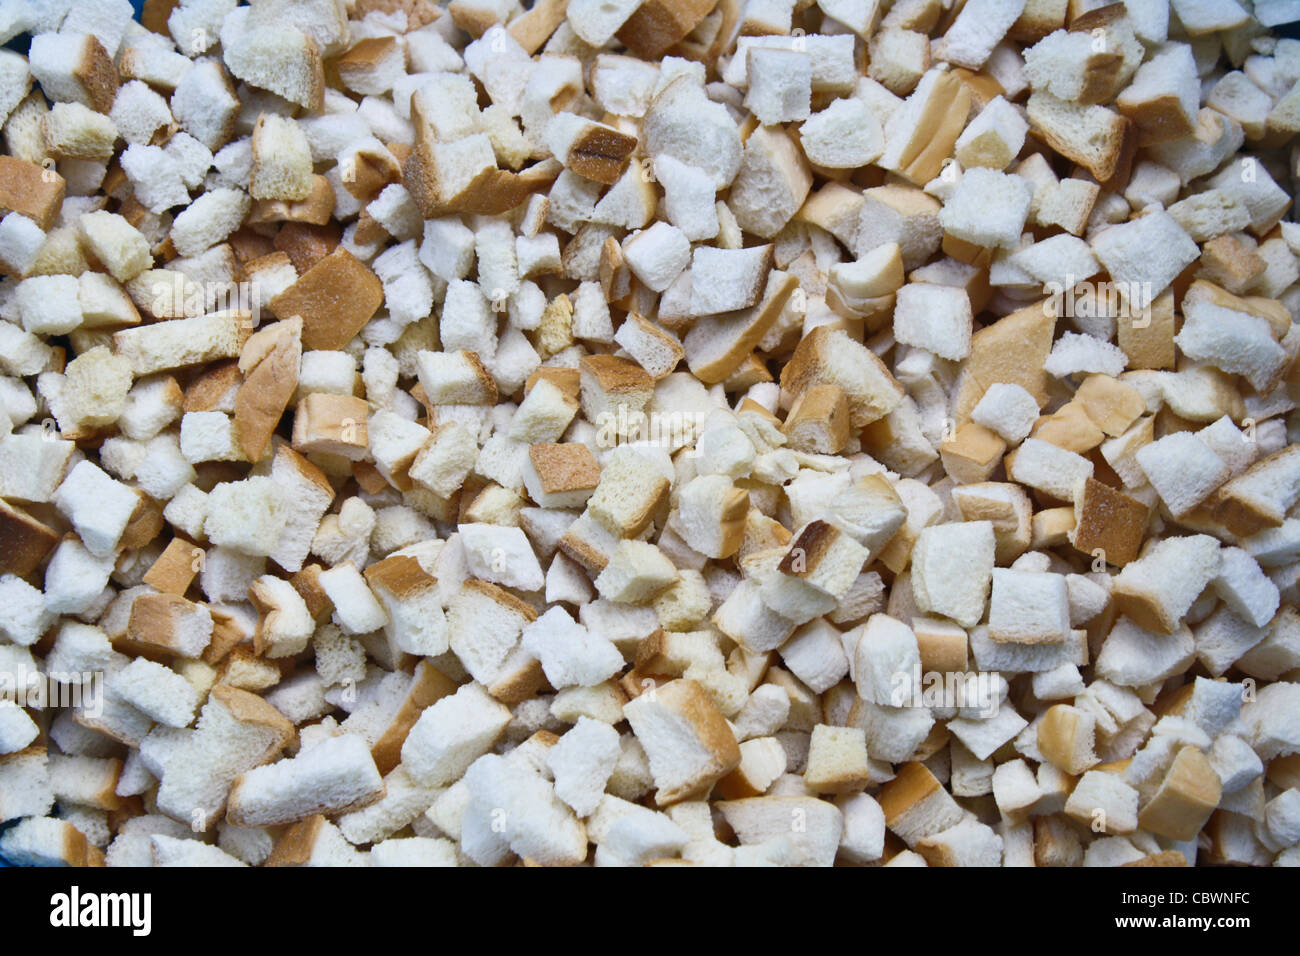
(680, 431)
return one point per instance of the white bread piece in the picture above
(208, 220)
(45, 841)
(74, 580)
(502, 555)
(1133, 656)
(484, 626)
(952, 567)
(17, 729)
(20, 242)
(657, 255)
(968, 843)
(688, 742)
(99, 507)
(48, 305)
(336, 775)
(1234, 762)
(772, 183)
(274, 56)
(935, 318)
(403, 801)
(1247, 181)
(157, 691)
(1143, 278)
(456, 378)
(636, 573)
(916, 805)
(236, 731)
(1007, 409)
(683, 122)
(969, 213)
(355, 608)
(688, 197)
(994, 138)
(844, 135)
(209, 436)
(71, 67)
(73, 131)
(780, 85)
(977, 29)
(537, 825)
(570, 654)
(1050, 469)
(815, 654)
(26, 785)
(886, 650)
(452, 734)
(1230, 339)
(1104, 802)
(1029, 607)
(1224, 637)
(285, 625)
(1200, 17)
(413, 851)
(1060, 261)
(180, 342)
(247, 515)
(596, 23)
(1163, 97)
(117, 244)
(32, 466)
(173, 851)
(138, 112)
(415, 621)
(724, 280)
(1182, 469)
(1260, 497)
(744, 618)
(282, 162)
(582, 762)
(863, 836)
(1158, 589)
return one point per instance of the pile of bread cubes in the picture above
(649, 432)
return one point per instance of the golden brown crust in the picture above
(1011, 350)
(534, 27)
(1109, 521)
(428, 686)
(316, 208)
(31, 190)
(175, 568)
(307, 583)
(694, 705)
(912, 784)
(502, 597)
(1187, 796)
(251, 709)
(569, 466)
(295, 845)
(269, 362)
(333, 424)
(97, 75)
(400, 575)
(24, 540)
(211, 386)
(335, 298)
(657, 25)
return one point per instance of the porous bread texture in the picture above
(649, 433)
